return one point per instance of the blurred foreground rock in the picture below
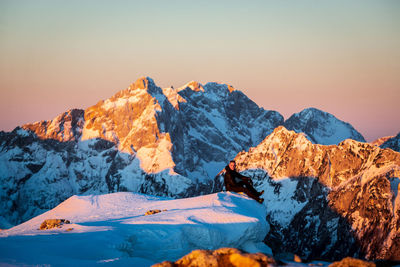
(221, 257)
(352, 262)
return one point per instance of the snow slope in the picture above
(112, 229)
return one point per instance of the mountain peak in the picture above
(65, 127)
(195, 86)
(231, 88)
(322, 127)
(281, 135)
(142, 83)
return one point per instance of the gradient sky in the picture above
(339, 56)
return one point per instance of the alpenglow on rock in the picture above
(321, 127)
(327, 201)
(165, 142)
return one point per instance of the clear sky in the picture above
(339, 56)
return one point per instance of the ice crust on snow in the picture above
(113, 228)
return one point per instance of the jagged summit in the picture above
(142, 83)
(198, 87)
(193, 85)
(322, 127)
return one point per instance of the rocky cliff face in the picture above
(321, 127)
(167, 142)
(327, 201)
(212, 124)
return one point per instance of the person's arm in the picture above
(245, 178)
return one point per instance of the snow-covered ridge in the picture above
(113, 227)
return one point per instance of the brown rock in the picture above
(53, 223)
(287, 256)
(150, 212)
(227, 257)
(352, 262)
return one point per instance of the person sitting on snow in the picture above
(236, 182)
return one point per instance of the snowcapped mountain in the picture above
(113, 229)
(392, 143)
(321, 127)
(165, 142)
(327, 201)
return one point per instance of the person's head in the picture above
(232, 165)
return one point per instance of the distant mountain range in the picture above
(173, 142)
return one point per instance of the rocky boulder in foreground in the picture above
(228, 257)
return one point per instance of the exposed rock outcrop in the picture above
(151, 212)
(53, 223)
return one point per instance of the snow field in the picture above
(112, 229)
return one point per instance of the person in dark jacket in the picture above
(236, 182)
